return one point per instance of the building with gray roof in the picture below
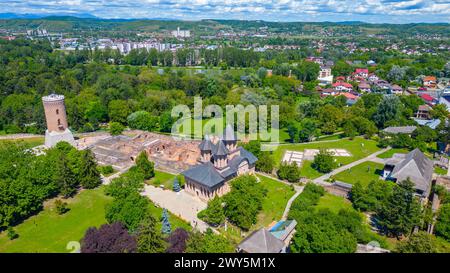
(261, 241)
(221, 160)
(400, 130)
(415, 166)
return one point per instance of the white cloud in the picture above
(285, 10)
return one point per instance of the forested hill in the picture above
(70, 24)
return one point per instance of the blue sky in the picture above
(373, 11)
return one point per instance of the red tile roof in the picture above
(426, 97)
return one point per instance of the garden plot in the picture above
(309, 154)
(293, 156)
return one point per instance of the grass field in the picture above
(333, 203)
(50, 232)
(275, 202)
(391, 152)
(358, 148)
(273, 207)
(27, 142)
(440, 171)
(162, 178)
(363, 173)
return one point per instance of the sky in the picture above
(372, 11)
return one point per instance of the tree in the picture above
(145, 166)
(142, 120)
(443, 222)
(244, 201)
(439, 111)
(118, 111)
(388, 110)
(89, 174)
(401, 211)
(321, 233)
(166, 227)
(324, 161)
(214, 213)
(176, 185)
(420, 242)
(371, 197)
(65, 177)
(289, 172)
(115, 128)
(177, 241)
(149, 240)
(109, 238)
(208, 243)
(265, 162)
(130, 210)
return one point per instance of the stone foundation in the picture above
(52, 138)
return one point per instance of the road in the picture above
(371, 157)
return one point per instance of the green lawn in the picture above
(162, 178)
(391, 152)
(50, 232)
(363, 173)
(275, 202)
(440, 171)
(273, 207)
(27, 142)
(334, 203)
(358, 148)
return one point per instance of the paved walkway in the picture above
(298, 190)
(181, 204)
(371, 157)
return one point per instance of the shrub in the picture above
(61, 207)
(12, 233)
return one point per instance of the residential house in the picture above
(423, 112)
(396, 89)
(428, 99)
(429, 82)
(415, 166)
(361, 72)
(364, 87)
(325, 77)
(383, 86)
(372, 77)
(343, 86)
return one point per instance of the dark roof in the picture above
(220, 149)
(205, 145)
(261, 241)
(400, 129)
(205, 174)
(248, 155)
(418, 168)
(229, 133)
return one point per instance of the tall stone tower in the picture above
(55, 115)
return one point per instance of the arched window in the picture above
(59, 122)
(57, 111)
